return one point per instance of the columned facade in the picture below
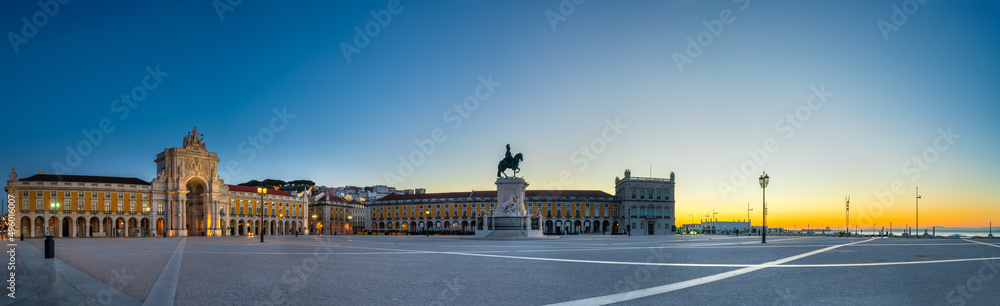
(565, 211)
(187, 198)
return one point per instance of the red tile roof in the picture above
(250, 189)
(83, 179)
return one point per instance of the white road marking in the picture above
(641, 293)
(989, 244)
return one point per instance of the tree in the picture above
(272, 182)
(302, 182)
(254, 183)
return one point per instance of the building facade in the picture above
(330, 214)
(187, 198)
(649, 203)
(565, 211)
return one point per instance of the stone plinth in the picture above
(510, 219)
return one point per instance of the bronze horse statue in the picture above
(509, 164)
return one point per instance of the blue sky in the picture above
(555, 90)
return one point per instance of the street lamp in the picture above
(764, 179)
(314, 226)
(54, 207)
(262, 191)
(918, 211)
(847, 220)
(628, 227)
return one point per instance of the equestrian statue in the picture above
(509, 162)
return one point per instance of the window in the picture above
(107, 207)
(145, 207)
(642, 212)
(93, 206)
(38, 193)
(120, 207)
(159, 208)
(657, 195)
(633, 212)
(666, 195)
(107, 195)
(24, 205)
(145, 197)
(65, 194)
(633, 194)
(241, 211)
(38, 205)
(120, 196)
(132, 196)
(25, 193)
(52, 194)
(131, 207)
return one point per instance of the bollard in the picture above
(50, 247)
(22, 236)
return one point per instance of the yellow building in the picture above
(187, 198)
(565, 211)
(645, 203)
(333, 215)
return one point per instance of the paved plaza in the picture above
(368, 270)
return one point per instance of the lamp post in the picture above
(748, 215)
(764, 179)
(349, 225)
(847, 219)
(427, 227)
(311, 232)
(918, 211)
(262, 191)
(628, 227)
(53, 206)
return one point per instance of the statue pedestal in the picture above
(510, 220)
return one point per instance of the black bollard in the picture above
(50, 247)
(22, 236)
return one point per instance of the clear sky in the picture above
(585, 91)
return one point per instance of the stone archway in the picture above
(195, 208)
(67, 227)
(81, 227)
(26, 226)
